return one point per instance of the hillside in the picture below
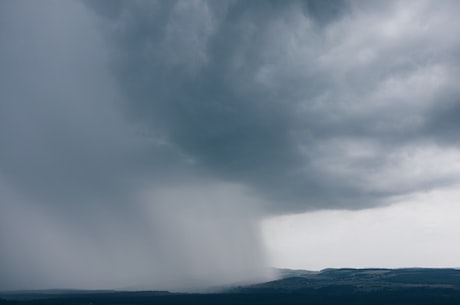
(330, 286)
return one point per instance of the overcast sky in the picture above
(187, 144)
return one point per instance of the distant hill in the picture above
(412, 286)
(364, 286)
(359, 280)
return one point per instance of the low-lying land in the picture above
(329, 286)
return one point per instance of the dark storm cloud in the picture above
(324, 12)
(443, 123)
(190, 69)
(272, 93)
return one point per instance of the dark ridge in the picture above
(410, 286)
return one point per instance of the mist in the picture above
(143, 142)
(88, 200)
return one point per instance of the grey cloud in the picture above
(324, 12)
(254, 91)
(443, 124)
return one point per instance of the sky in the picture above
(185, 145)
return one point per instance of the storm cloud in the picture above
(313, 104)
(158, 133)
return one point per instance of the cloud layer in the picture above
(313, 104)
